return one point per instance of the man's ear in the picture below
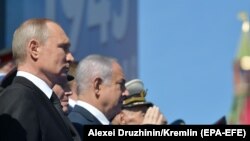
(97, 83)
(33, 49)
(122, 118)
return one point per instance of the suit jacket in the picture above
(26, 114)
(80, 116)
(57, 104)
(73, 131)
(70, 108)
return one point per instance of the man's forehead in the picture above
(118, 72)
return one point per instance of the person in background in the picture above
(136, 110)
(63, 92)
(101, 90)
(6, 62)
(72, 84)
(27, 112)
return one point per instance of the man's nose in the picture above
(125, 93)
(68, 93)
(70, 57)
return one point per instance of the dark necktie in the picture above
(57, 104)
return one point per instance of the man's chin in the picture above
(65, 104)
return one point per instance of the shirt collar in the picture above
(94, 111)
(72, 102)
(37, 81)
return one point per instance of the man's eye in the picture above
(122, 85)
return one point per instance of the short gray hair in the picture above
(30, 29)
(93, 66)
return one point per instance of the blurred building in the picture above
(107, 27)
(240, 112)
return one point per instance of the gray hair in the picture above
(32, 29)
(93, 66)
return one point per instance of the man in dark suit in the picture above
(41, 52)
(101, 90)
(63, 91)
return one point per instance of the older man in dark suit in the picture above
(41, 51)
(101, 85)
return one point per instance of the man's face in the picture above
(54, 56)
(114, 93)
(73, 87)
(63, 94)
(134, 115)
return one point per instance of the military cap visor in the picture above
(136, 95)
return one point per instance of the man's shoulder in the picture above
(80, 112)
(82, 116)
(18, 93)
(18, 89)
(16, 99)
(77, 117)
